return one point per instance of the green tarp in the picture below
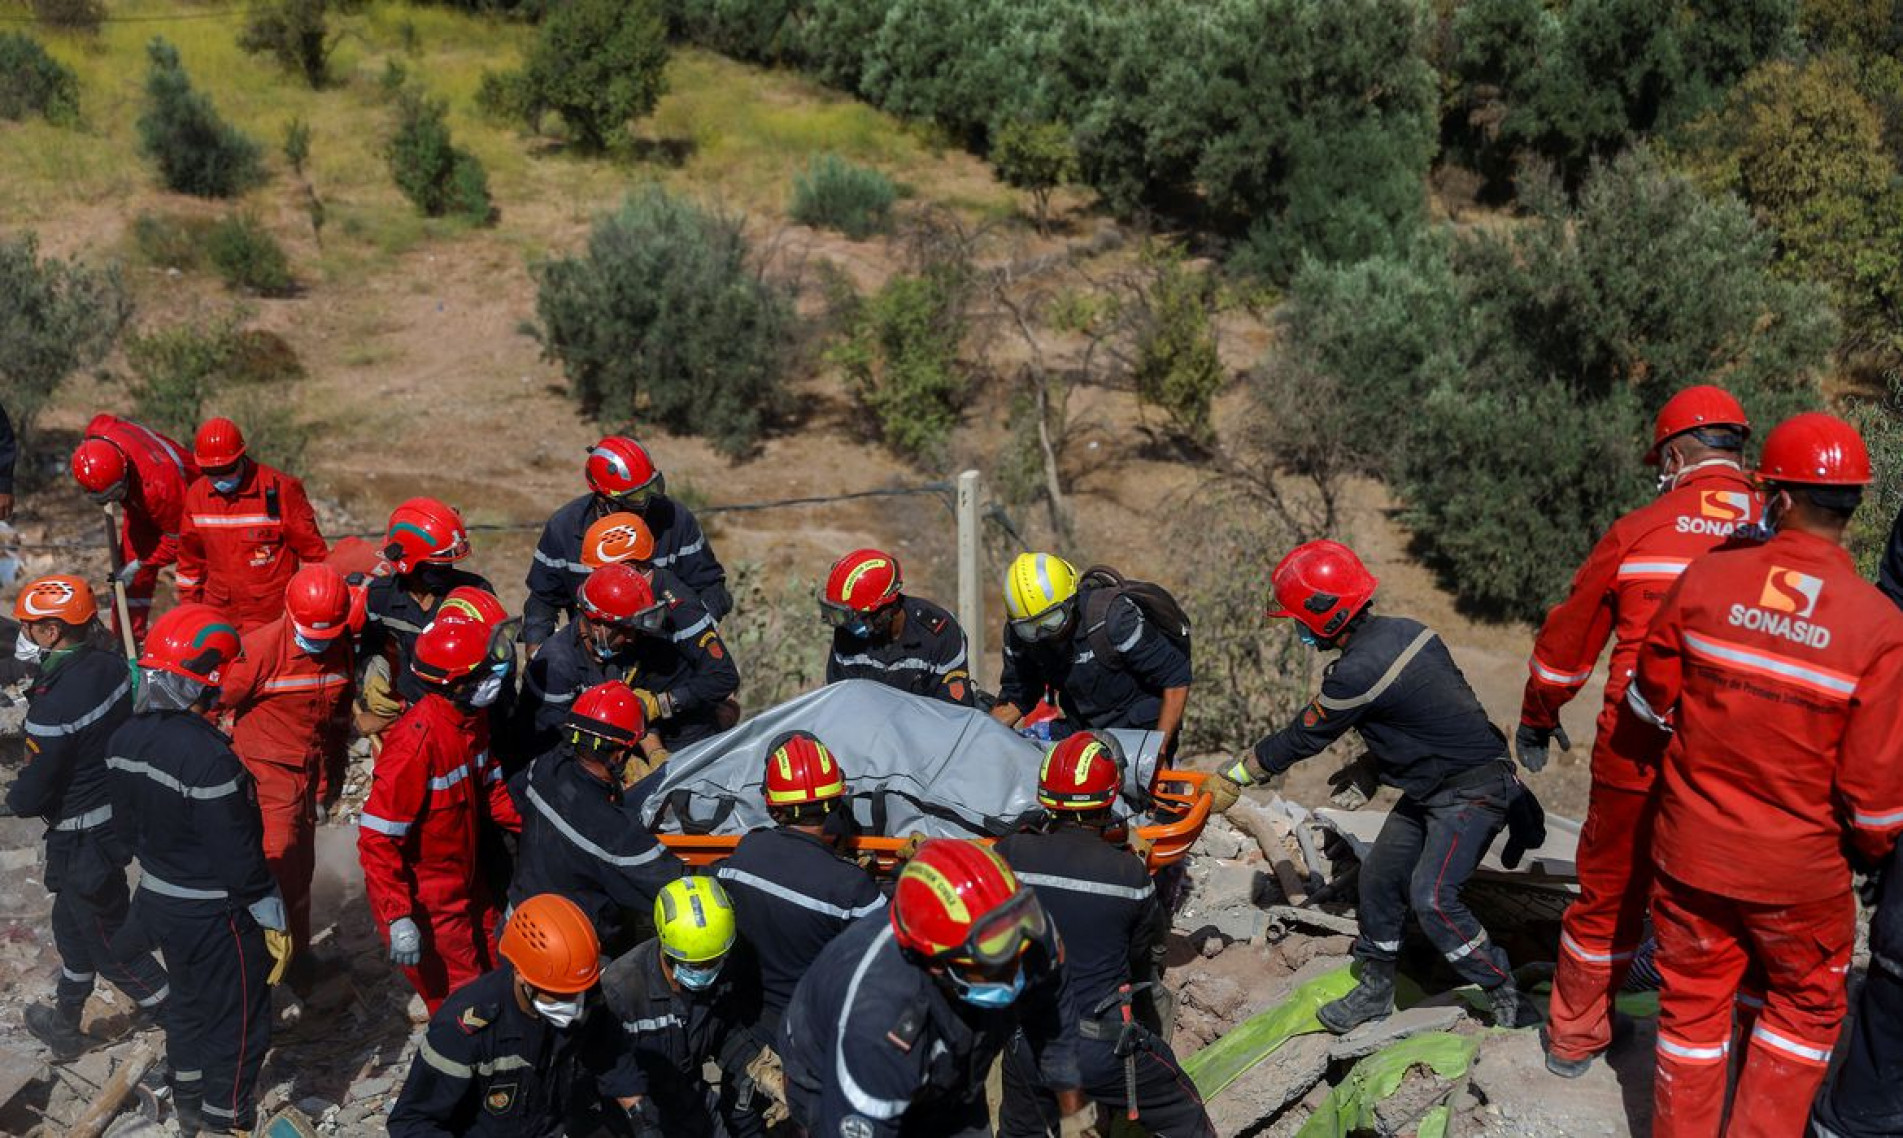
(1350, 1106)
(1256, 1038)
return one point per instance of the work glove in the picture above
(1083, 1124)
(128, 571)
(656, 707)
(646, 1118)
(913, 842)
(269, 913)
(277, 942)
(375, 695)
(1526, 827)
(406, 943)
(1139, 845)
(1353, 785)
(1530, 743)
(1225, 788)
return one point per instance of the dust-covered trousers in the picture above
(1427, 850)
(1168, 1105)
(458, 922)
(287, 803)
(1865, 1100)
(1705, 945)
(90, 900)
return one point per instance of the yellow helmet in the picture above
(1040, 589)
(695, 918)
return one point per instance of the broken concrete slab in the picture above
(1372, 1037)
(1269, 1087)
(17, 1070)
(1524, 1099)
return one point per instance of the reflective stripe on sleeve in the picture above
(793, 897)
(1098, 888)
(49, 730)
(198, 793)
(1387, 678)
(384, 825)
(867, 1104)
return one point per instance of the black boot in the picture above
(57, 1026)
(1372, 999)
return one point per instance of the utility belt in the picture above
(1476, 776)
(1111, 1022)
(90, 820)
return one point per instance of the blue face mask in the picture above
(697, 977)
(227, 484)
(311, 647)
(858, 629)
(1308, 637)
(993, 994)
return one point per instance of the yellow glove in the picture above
(913, 842)
(376, 696)
(1226, 787)
(1139, 845)
(640, 766)
(654, 707)
(278, 943)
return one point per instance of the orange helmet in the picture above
(1081, 773)
(958, 902)
(318, 602)
(449, 651)
(800, 770)
(98, 466)
(552, 945)
(471, 603)
(621, 468)
(863, 581)
(218, 444)
(617, 537)
(63, 598)
(620, 597)
(424, 531)
(1692, 409)
(608, 711)
(194, 641)
(1815, 449)
(1322, 585)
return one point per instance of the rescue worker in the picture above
(1865, 1098)
(79, 697)
(1698, 447)
(582, 834)
(423, 542)
(881, 634)
(684, 678)
(206, 898)
(1143, 684)
(1776, 667)
(621, 477)
(684, 999)
(435, 786)
(893, 1031)
(289, 696)
(247, 527)
(505, 1054)
(1397, 684)
(147, 474)
(1099, 897)
(794, 890)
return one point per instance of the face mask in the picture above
(229, 482)
(697, 977)
(1307, 636)
(561, 1013)
(486, 690)
(992, 994)
(311, 647)
(433, 578)
(25, 650)
(860, 629)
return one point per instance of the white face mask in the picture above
(561, 1013)
(487, 689)
(25, 650)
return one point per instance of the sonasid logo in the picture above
(1784, 607)
(1720, 512)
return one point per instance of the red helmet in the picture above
(957, 902)
(1082, 772)
(617, 537)
(620, 466)
(471, 603)
(449, 651)
(424, 531)
(1692, 408)
(800, 770)
(1321, 584)
(218, 444)
(318, 602)
(863, 581)
(1815, 449)
(609, 711)
(620, 597)
(68, 600)
(359, 603)
(98, 465)
(192, 640)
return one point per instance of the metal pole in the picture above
(971, 610)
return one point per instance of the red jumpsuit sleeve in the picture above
(1870, 766)
(1574, 634)
(300, 524)
(1658, 680)
(502, 809)
(191, 558)
(165, 505)
(239, 683)
(399, 786)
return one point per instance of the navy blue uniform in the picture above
(793, 894)
(1397, 684)
(1104, 906)
(874, 1047)
(927, 657)
(395, 620)
(689, 663)
(583, 838)
(190, 811)
(1123, 691)
(1865, 1097)
(486, 1067)
(674, 1033)
(556, 572)
(80, 697)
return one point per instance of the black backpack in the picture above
(1159, 607)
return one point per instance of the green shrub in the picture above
(598, 64)
(504, 95)
(437, 176)
(835, 194)
(833, 38)
(1037, 157)
(56, 317)
(188, 372)
(1178, 369)
(1881, 423)
(297, 144)
(296, 33)
(248, 257)
(756, 30)
(171, 240)
(664, 318)
(900, 359)
(71, 15)
(776, 643)
(34, 83)
(197, 152)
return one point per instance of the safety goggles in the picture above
(1044, 625)
(842, 616)
(641, 495)
(649, 620)
(1001, 937)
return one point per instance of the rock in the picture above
(365, 1089)
(1265, 1089)
(1372, 1037)
(313, 1106)
(1219, 840)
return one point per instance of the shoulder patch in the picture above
(905, 1032)
(855, 1126)
(710, 644)
(476, 1017)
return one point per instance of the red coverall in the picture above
(1779, 668)
(433, 786)
(292, 719)
(1615, 593)
(238, 551)
(159, 472)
